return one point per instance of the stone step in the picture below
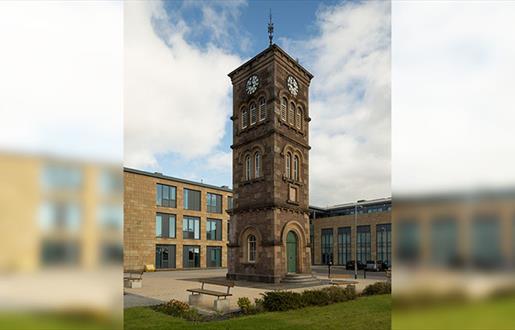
(299, 278)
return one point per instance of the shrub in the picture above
(245, 305)
(338, 294)
(191, 315)
(377, 288)
(174, 307)
(282, 300)
(259, 305)
(315, 298)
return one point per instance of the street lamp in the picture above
(356, 241)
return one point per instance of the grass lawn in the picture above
(490, 314)
(363, 313)
(54, 321)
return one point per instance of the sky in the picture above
(178, 96)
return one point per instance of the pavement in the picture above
(162, 286)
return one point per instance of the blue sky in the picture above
(178, 96)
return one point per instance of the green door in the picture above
(291, 252)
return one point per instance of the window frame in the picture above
(248, 168)
(298, 118)
(253, 114)
(262, 108)
(291, 114)
(218, 229)
(284, 110)
(160, 192)
(257, 164)
(187, 199)
(196, 227)
(288, 165)
(210, 197)
(251, 248)
(296, 161)
(166, 217)
(244, 118)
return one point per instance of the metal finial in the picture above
(270, 28)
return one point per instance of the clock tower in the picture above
(269, 227)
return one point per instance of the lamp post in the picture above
(356, 239)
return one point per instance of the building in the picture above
(173, 223)
(336, 238)
(270, 221)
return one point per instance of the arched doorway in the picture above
(291, 252)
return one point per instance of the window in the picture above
(191, 200)
(165, 196)
(327, 245)
(165, 256)
(288, 165)
(344, 245)
(214, 203)
(251, 246)
(257, 165)
(253, 114)
(407, 232)
(363, 247)
(247, 168)
(165, 225)
(291, 114)
(283, 109)
(191, 228)
(214, 230)
(61, 176)
(229, 202)
(191, 256)
(214, 256)
(244, 118)
(384, 243)
(298, 121)
(262, 109)
(296, 168)
(486, 241)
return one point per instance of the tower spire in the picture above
(270, 28)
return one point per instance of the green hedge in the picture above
(377, 288)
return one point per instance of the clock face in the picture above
(252, 84)
(293, 86)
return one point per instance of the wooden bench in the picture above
(217, 294)
(132, 278)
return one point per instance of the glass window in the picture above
(407, 232)
(214, 229)
(191, 256)
(165, 225)
(298, 121)
(344, 245)
(60, 216)
(444, 241)
(229, 202)
(253, 114)
(244, 118)
(111, 181)
(288, 165)
(486, 241)
(296, 168)
(291, 114)
(191, 200)
(247, 168)
(214, 203)
(166, 195)
(62, 176)
(251, 248)
(283, 108)
(327, 245)
(165, 256)
(262, 109)
(214, 256)
(191, 228)
(257, 165)
(384, 243)
(363, 246)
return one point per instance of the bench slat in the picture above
(220, 283)
(210, 292)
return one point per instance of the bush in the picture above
(316, 298)
(282, 300)
(377, 288)
(338, 294)
(179, 309)
(259, 305)
(245, 305)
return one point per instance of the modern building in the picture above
(173, 223)
(270, 221)
(362, 229)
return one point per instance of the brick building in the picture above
(270, 220)
(174, 223)
(335, 236)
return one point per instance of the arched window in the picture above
(291, 114)
(262, 109)
(251, 248)
(253, 114)
(257, 165)
(288, 165)
(247, 168)
(284, 103)
(298, 121)
(244, 118)
(296, 168)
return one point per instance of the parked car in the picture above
(350, 265)
(373, 266)
(382, 265)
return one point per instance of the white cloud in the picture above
(177, 96)
(453, 76)
(221, 161)
(350, 102)
(61, 77)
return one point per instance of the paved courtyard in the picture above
(162, 286)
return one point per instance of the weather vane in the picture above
(270, 28)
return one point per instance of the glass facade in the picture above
(191, 200)
(486, 241)
(444, 241)
(165, 256)
(214, 203)
(229, 203)
(214, 230)
(191, 256)
(191, 228)
(407, 232)
(344, 245)
(165, 225)
(214, 256)
(166, 195)
(384, 243)
(363, 245)
(327, 245)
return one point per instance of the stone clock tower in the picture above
(269, 227)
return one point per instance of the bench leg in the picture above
(194, 299)
(221, 305)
